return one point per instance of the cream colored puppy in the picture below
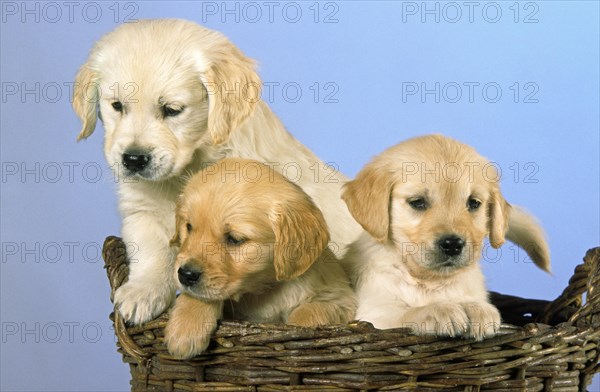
(427, 205)
(174, 96)
(253, 246)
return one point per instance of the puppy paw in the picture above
(484, 319)
(187, 338)
(442, 319)
(139, 303)
(191, 324)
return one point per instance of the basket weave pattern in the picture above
(275, 357)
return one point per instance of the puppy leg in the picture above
(312, 314)
(191, 324)
(150, 289)
(484, 319)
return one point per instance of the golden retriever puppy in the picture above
(252, 246)
(174, 96)
(427, 205)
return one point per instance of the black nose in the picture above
(188, 277)
(451, 245)
(135, 161)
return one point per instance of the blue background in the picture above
(55, 296)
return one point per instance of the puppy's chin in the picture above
(205, 294)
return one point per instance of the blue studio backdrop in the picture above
(519, 81)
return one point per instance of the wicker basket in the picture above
(275, 357)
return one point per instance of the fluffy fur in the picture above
(185, 96)
(410, 200)
(253, 246)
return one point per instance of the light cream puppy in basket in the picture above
(427, 205)
(174, 96)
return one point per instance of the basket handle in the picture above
(114, 253)
(586, 278)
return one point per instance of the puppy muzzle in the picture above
(451, 245)
(188, 276)
(450, 252)
(136, 162)
(145, 163)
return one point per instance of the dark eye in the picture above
(118, 106)
(189, 227)
(169, 111)
(418, 204)
(473, 204)
(233, 240)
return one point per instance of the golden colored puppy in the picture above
(427, 205)
(253, 246)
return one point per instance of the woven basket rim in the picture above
(533, 344)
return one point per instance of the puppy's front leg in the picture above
(191, 324)
(312, 314)
(150, 289)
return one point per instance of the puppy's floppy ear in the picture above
(233, 88)
(520, 227)
(525, 231)
(368, 200)
(498, 213)
(301, 235)
(85, 100)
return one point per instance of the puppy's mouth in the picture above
(447, 264)
(155, 170)
(441, 263)
(149, 175)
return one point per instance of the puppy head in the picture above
(165, 89)
(241, 227)
(434, 199)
